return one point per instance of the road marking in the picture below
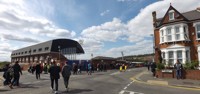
(135, 78)
(158, 82)
(130, 92)
(125, 87)
(115, 73)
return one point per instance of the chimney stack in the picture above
(198, 9)
(154, 18)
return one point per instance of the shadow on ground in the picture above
(27, 86)
(3, 90)
(76, 91)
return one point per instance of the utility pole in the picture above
(59, 52)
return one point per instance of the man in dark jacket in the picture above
(7, 74)
(179, 67)
(66, 72)
(38, 71)
(17, 71)
(153, 69)
(54, 71)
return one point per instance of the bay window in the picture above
(171, 57)
(169, 34)
(177, 32)
(179, 56)
(198, 31)
(172, 33)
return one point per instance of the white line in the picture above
(125, 87)
(121, 92)
(114, 73)
(128, 84)
(132, 82)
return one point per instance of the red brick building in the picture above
(177, 36)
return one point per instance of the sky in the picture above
(106, 27)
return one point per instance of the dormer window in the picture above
(171, 15)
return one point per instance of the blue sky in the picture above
(106, 27)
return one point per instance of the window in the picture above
(22, 53)
(162, 35)
(187, 55)
(198, 31)
(46, 48)
(34, 50)
(169, 36)
(163, 57)
(171, 15)
(179, 56)
(177, 31)
(40, 49)
(25, 52)
(171, 57)
(185, 32)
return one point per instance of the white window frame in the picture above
(175, 48)
(198, 31)
(183, 34)
(171, 15)
(177, 33)
(169, 34)
(179, 52)
(162, 36)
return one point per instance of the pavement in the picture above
(146, 77)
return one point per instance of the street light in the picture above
(29, 56)
(59, 52)
(153, 46)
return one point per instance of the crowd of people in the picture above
(12, 72)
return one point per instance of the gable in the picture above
(177, 16)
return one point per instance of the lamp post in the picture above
(59, 52)
(29, 56)
(153, 47)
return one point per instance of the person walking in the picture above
(38, 71)
(178, 66)
(153, 69)
(79, 68)
(89, 69)
(66, 72)
(54, 71)
(17, 71)
(8, 74)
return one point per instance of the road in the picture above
(110, 82)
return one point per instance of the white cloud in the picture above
(105, 12)
(18, 38)
(109, 31)
(15, 17)
(137, 29)
(128, 0)
(141, 26)
(20, 21)
(141, 47)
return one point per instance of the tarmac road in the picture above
(110, 82)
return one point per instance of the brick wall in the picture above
(187, 74)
